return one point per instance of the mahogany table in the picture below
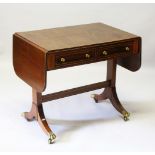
(37, 52)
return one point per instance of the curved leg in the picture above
(32, 115)
(37, 113)
(110, 92)
(44, 125)
(116, 103)
(100, 97)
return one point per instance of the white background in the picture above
(79, 123)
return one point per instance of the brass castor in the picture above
(52, 138)
(93, 96)
(126, 115)
(50, 141)
(126, 118)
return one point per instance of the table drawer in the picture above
(115, 49)
(73, 57)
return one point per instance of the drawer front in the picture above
(74, 57)
(66, 58)
(114, 50)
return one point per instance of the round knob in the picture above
(104, 52)
(87, 56)
(127, 48)
(63, 60)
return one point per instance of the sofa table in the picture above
(36, 52)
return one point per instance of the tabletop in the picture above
(75, 36)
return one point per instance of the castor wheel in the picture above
(126, 115)
(52, 138)
(93, 96)
(126, 118)
(50, 141)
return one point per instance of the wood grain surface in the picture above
(75, 36)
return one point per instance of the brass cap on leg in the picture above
(52, 138)
(125, 115)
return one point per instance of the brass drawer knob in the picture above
(87, 55)
(63, 60)
(104, 52)
(127, 48)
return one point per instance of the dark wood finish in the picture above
(36, 52)
(76, 36)
(110, 92)
(76, 56)
(29, 63)
(75, 91)
(36, 104)
(37, 112)
(133, 61)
